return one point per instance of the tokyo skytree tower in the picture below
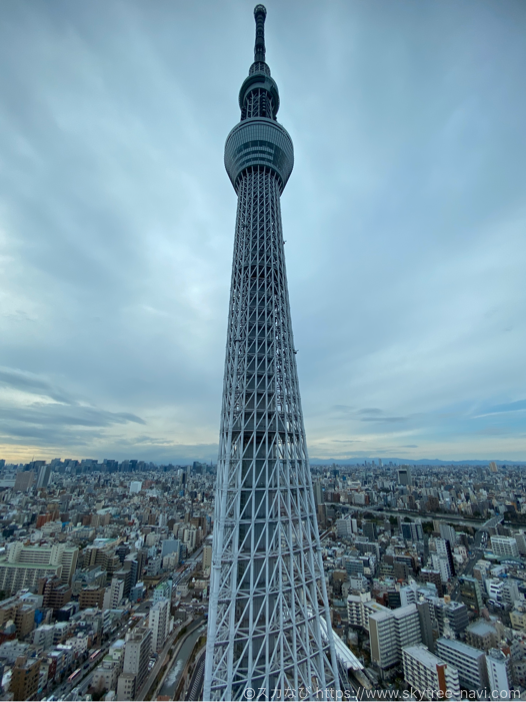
(268, 636)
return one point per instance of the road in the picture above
(64, 691)
(450, 518)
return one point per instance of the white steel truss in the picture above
(267, 590)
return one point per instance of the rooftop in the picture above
(460, 647)
(481, 628)
(423, 654)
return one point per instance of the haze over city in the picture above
(404, 222)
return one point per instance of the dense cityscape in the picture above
(105, 567)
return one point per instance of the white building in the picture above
(135, 487)
(160, 623)
(355, 608)
(448, 532)
(43, 636)
(499, 669)
(430, 675)
(407, 595)
(442, 565)
(392, 630)
(494, 588)
(114, 594)
(510, 592)
(505, 546)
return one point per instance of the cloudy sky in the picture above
(405, 221)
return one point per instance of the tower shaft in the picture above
(267, 581)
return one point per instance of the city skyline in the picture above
(116, 221)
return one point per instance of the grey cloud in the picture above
(344, 441)
(346, 409)
(384, 419)
(74, 415)
(30, 382)
(404, 221)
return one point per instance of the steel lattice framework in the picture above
(267, 592)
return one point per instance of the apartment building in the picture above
(505, 546)
(469, 661)
(392, 630)
(25, 565)
(135, 668)
(159, 623)
(431, 676)
(499, 673)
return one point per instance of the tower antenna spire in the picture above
(260, 14)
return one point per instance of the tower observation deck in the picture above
(268, 600)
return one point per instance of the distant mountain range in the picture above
(411, 462)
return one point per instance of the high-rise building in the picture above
(456, 614)
(443, 548)
(412, 531)
(24, 480)
(265, 628)
(24, 678)
(470, 593)
(448, 532)
(423, 607)
(135, 487)
(469, 661)
(135, 667)
(499, 674)
(24, 566)
(355, 608)
(44, 474)
(170, 546)
(159, 623)
(427, 575)
(114, 594)
(370, 530)
(404, 476)
(163, 591)
(392, 630)
(432, 677)
(207, 556)
(344, 528)
(504, 546)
